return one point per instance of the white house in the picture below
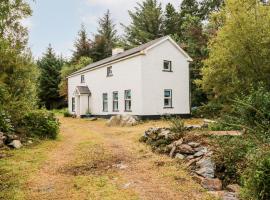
(148, 81)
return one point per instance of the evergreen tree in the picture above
(82, 45)
(146, 23)
(106, 39)
(171, 21)
(50, 77)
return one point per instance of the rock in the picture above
(190, 157)
(206, 167)
(194, 144)
(16, 144)
(121, 166)
(172, 151)
(212, 184)
(190, 127)
(30, 142)
(192, 161)
(10, 138)
(123, 120)
(198, 179)
(184, 148)
(201, 152)
(92, 119)
(233, 188)
(229, 196)
(164, 133)
(179, 156)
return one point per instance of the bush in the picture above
(210, 110)
(5, 122)
(221, 126)
(67, 113)
(256, 179)
(231, 157)
(252, 113)
(176, 124)
(41, 124)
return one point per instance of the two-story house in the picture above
(150, 80)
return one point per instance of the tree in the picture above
(49, 80)
(239, 54)
(172, 21)
(83, 45)
(106, 39)
(146, 23)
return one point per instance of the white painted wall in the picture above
(143, 75)
(126, 75)
(155, 80)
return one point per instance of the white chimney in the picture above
(117, 51)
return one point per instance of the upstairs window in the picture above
(105, 102)
(167, 66)
(115, 101)
(128, 100)
(167, 98)
(82, 79)
(109, 71)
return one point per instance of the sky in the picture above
(57, 22)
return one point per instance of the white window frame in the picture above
(109, 71)
(128, 101)
(105, 102)
(170, 66)
(115, 102)
(82, 78)
(169, 98)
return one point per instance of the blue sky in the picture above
(58, 21)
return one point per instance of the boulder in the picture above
(212, 184)
(206, 167)
(123, 120)
(233, 188)
(189, 157)
(185, 149)
(16, 144)
(179, 156)
(202, 152)
(10, 138)
(172, 151)
(194, 144)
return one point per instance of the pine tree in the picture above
(106, 39)
(83, 45)
(50, 77)
(146, 23)
(171, 21)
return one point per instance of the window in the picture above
(82, 79)
(127, 100)
(115, 101)
(167, 66)
(167, 98)
(105, 102)
(73, 104)
(109, 71)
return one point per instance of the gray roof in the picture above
(119, 56)
(83, 90)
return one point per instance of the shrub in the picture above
(67, 113)
(256, 178)
(230, 157)
(221, 126)
(210, 110)
(176, 124)
(251, 112)
(40, 123)
(5, 122)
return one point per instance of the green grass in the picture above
(19, 166)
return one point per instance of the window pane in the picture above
(167, 93)
(167, 65)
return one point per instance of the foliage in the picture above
(146, 23)
(256, 178)
(176, 124)
(106, 39)
(209, 110)
(83, 46)
(239, 54)
(67, 113)
(50, 66)
(230, 157)
(5, 122)
(251, 112)
(41, 124)
(171, 20)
